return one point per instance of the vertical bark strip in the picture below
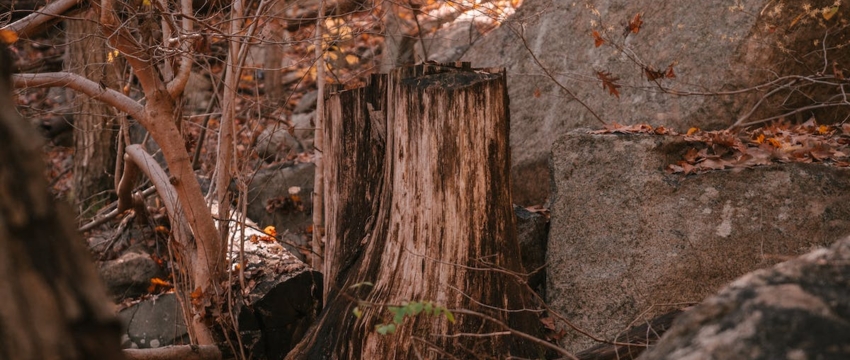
(420, 205)
(52, 303)
(318, 188)
(95, 124)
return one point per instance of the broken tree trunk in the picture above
(418, 203)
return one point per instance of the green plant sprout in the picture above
(406, 309)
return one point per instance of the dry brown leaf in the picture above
(609, 82)
(597, 39)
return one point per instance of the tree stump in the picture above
(418, 203)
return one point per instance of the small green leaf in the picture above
(449, 315)
(357, 312)
(385, 329)
(415, 308)
(399, 315)
(429, 308)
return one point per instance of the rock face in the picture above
(271, 203)
(153, 323)
(130, 275)
(798, 309)
(713, 46)
(532, 234)
(627, 238)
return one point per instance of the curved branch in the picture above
(34, 23)
(175, 86)
(83, 85)
(136, 156)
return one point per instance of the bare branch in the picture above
(136, 156)
(552, 77)
(79, 83)
(38, 20)
(176, 85)
(339, 8)
(126, 185)
(185, 352)
(139, 59)
(518, 333)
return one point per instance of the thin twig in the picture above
(552, 77)
(518, 333)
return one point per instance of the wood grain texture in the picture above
(419, 204)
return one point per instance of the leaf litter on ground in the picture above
(778, 142)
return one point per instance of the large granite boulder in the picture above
(715, 45)
(627, 239)
(798, 309)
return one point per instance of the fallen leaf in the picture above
(670, 74)
(830, 12)
(633, 26)
(8, 37)
(609, 82)
(597, 39)
(796, 20)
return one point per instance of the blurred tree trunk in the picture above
(398, 45)
(418, 203)
(52, 303)
(95, 123)
(275, 58)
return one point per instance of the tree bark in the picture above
(53, 303)
(418, 203)
(95, 123)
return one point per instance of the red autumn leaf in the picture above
(691, 155)
(609, 82)
(661, 130)
(633, 26)
(670, 74)
(597, 39)
(537, 92)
